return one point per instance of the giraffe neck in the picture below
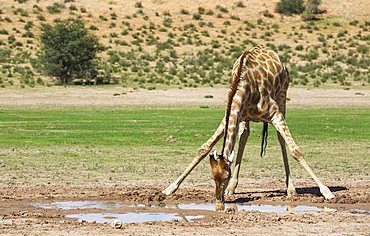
(232, 91)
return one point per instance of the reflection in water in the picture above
(251, 207)
(138, 217)
(128, 217)
(69, 205)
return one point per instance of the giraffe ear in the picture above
(231, 157)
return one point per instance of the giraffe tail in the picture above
(264, 138)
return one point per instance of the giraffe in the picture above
(258, 94)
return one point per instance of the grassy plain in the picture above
(114, 145)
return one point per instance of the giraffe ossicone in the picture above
(258, 94)
(216, 156)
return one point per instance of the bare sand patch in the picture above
(173, 97)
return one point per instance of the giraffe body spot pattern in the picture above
(257, 93)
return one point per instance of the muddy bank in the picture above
(20, 217)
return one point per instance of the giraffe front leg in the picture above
(233, 183)
(202, 153)
(280, 124)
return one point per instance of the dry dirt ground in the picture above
(188, 97)
(18, 218)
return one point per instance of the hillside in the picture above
(160, 43)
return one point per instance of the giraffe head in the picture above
(220, 174)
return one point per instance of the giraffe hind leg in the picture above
(289, 182)
(280, 124)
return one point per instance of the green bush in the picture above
(288, 7)
(41, 18)
(55, 8)
(221, 9)
(197, 16)
(138, 5)
(308, 14)
(362, 49)
(240, 4)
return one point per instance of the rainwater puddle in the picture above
(130, 217)
(252, 207)
(135, 216)
(69, 205)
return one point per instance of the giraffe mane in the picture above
(232, 91)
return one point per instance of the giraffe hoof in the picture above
(291, 192)
(325, 191)
(229, 192)
(171, 189)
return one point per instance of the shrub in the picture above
(73, 8)
(288, 7)
(28, 25)
(316, 83)
(209, 13)
(321, 39)
(21, 11)
(93, 27)
(167, 23)
(362, 49)
(354, 23)
(308, 14)
(55, 8)
(138, 5)
(336, 24)
(234, 17)
(240, 4)
(299, 47)
(285, 57)
(11, 39)
(4, 31)
(197, 16)
(266, 13)
(222, 9)
(28, 34)
(41, 18)
(201, 10)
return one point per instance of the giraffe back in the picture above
(266, 76)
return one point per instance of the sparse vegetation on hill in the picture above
(151, 44)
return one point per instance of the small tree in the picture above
(68, 50)
(289, 7)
